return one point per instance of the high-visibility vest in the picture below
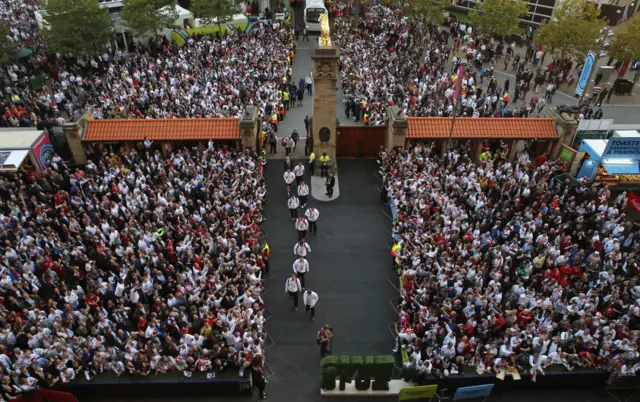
(312, 157)
(286, 96)
(15, 98)
(274, 118)
(395, 249)
(324, 159)
(265, 252)
(366, 117)
(281, 108)
(280, 94)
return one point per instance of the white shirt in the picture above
(302, 224)
(301, 266)
(303, 190)
(289, 177)
(292, 285)
(312, 214)
(301, 249)
(310, 299)
(293, 203)
(298, 170)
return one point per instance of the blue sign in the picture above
(622, 147)
(589, 62)
(477, 391)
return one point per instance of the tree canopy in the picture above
(79, 27)
(498, 17)
(215, 11)
(425, 11)
(626, 44)
(145, 17)
(8, 48)
(574, 30)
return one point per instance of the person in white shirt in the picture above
(289, 177)
(310, 298)
(293, 287)
(301, 248)
(293, 203)
(301, 268)
(312, 215)
(303, 192)
(301, 226)
(299, 172)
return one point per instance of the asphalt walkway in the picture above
(349, 267)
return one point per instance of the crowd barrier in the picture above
(172, 385)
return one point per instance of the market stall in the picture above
(24, 149)
(614, 161)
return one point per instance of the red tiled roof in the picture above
(468, 127)
(162, 129)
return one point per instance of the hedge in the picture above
(378, 368)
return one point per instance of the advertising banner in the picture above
(622, 147)
(421, 392)
(633, 200)
(583, 81)
(476, 391)
(43, 150)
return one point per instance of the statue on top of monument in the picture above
(325, 31)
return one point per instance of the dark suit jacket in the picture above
(288, 165)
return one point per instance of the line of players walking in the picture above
(294, 285)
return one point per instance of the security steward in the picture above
(324, 165)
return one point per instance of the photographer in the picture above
(323, 338)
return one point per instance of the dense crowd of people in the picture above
(504, 268)
(209, 76)
(416, 68)
(136, 265)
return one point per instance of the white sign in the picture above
(280, 16)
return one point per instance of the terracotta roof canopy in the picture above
(480, 128)
(162, 129)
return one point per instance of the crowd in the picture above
(135, 265)
(210, 76)
(417, 68)
(505, 268)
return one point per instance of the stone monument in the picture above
(325, 76)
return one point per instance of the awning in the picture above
(621, 169)
(10, 161)
(482, 128)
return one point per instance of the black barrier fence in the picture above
(173, 385)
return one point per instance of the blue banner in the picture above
(477, 391)
(589, 64)
(622, 147)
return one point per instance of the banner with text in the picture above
(583, 81)
(622, 147)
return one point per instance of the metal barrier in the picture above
(388, 230)
(390, 244)
(393, 280)
(271, 343)
(387, 215)
(378, 176)
(392, 329)
(264, 235)
(267, 314)
(265, 216)
(266, 365)
(391, 301)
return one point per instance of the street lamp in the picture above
(603, 43)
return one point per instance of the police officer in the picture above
(331, 182)
(324, 164)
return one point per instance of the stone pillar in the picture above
(397, 129)
(513, 148)
(566, 126)
(74, 131)
(249, 128)
(325, 76)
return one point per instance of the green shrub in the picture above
(329, 378)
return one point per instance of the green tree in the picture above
(8, 48)
(146, 17)
(626, 44)
(498, 17)
(79, 27)
(425, 11)
(573, 32)
(215, 11)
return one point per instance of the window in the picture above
(313, 14)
